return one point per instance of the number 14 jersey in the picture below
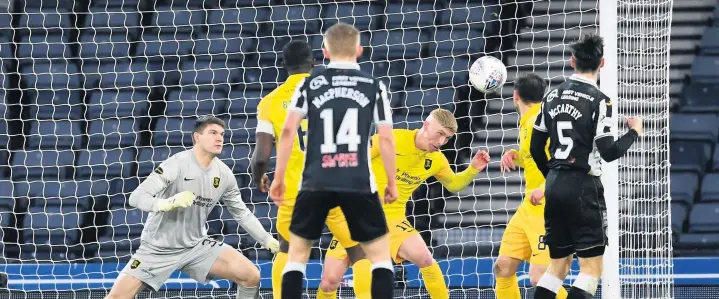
(340, 104)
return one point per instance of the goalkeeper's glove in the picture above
(272, 245)
(179, 200)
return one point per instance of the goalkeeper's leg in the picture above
(125, 287)
(414, 249)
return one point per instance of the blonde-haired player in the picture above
(523, 237)
(272, 110)
(418, 158)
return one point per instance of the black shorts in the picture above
(363, 211)
(575, 214)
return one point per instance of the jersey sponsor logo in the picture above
(573, 95)
(566, 109)
(552, 95)
(135, 263)
(159, 170)
(318, 82)
(216, 182)
(341, 92)
(203, 201)
(333, 244)
(427, 164)
(341, 160)
(408, 178)
(350, 80)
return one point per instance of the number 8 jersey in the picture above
(340, 104)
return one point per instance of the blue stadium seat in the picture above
(710, 187)
(456, 42)
(55, 104)
(103, 163)
(715, 163)
(247, 3)
(195, 102)
(48, 164)
(433, 72)
(265, 78)
(236, 156)
(54, 134)
(49, 19)
(44, 46)
(700, 240)
(52, 225)
(265, 212)
(410, 121)
(240, 130)
(160, 47)
(269, 48)
(97, 4)
(113, 133)
(243, 103)
(109, 103)
(243, 19)
(394, 74)
(710, 42)
(474, 16)
(397, 43)
(358, 14)
(704, 217)
(150, 158)
(679, 214)
(45, 74)
(49, 4)
(684, 186)
(210, 73)
(689, 156)
(409, 15)
(104, 46)
(5, 22)
(223, 46)
(287, 20)
(700, 127)
(4, 133)
(699, 97)
(704, 69)
(75, 194)
(173, 131)
(6, 51)
(6, 194)
(423, 101)
(114, 20)
(127, 222)
(117, 74)
(229, 225)
(168, 19)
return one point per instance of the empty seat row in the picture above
(686, 186)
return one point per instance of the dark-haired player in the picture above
(340, 104)
(523, 238)
(272, 110)
(578, 119)
(178, 196)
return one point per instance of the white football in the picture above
(487, 74)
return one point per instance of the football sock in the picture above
(326, 295)
(547, 287)
(507, 287)
(382, 280)
(246, 293)
(562, 293)
(434, 281)
(585, 286)
(278, 266)
(292, 280)
(577, 293)
(362, 273)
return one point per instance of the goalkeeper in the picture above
(523, 239)
(178, 196)
(418, 158)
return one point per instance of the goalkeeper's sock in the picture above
(247, 292)
(326, 295)
(547, 287)
(585, 286)
(562, 293)
(278, 266)
(507, 288)
(292, 280)
(434, 281)
(382, 280)
(362, 279)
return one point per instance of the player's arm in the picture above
(610, 149)
(265, 139)
(233, 200)
(538, 143)
(374, 151)
(145, 196)
(383, 121)
(296, 112)
(455, 182)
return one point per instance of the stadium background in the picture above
(96, 93)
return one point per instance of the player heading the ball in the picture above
(340, 104)
(179, 195)
(577, 118)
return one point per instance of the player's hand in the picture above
(277, 192)
(536, 197)
(390, 193)
(508, 160)
(480, 160)
(273, 246)
(637, 124)
(264, 184)
(179, 200)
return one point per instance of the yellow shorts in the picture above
(524, 238)
(399, 231)
(335, 222)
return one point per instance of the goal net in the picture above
(97, 93)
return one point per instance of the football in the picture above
(487, 74)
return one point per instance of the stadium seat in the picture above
(243, 103)
(704, 217)
(6, 51)
(265, 212)
(117, 74)
(109, 103)
(126, 223)
(54, 134)
(243, 19)
(55, 104)
(409, 121)
(75, 194)
(4, 130)
(104, 46)
(423, 101)
(715, 163)
(475, 16)
(177, 19)
(262, 78)
(684, 186)
(393, 74)
(247, 3)
(710, 187)
(113, 133)
(699, 97)
(434, 72)
(49, 4)
(44, 46)
(195, 102)
(700, 240)
(220, 46)
(359, 14)
(46, 74)
(409, 15)
(710, 42)
(689, 156)
(208, 73)
(161, 47)
(456, 42)
(397, 44)
(97, 4)
(104, 163)
(704, 69)
(5, 22)
(113, 20)
(174, 131)
(229, 225)
(150, 158)
(679, 214)
(46, 164)
(288, 20)
(39, 20)
(52, 225)
(700, 127)
(240, 130)
(236, 156)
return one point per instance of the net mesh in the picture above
(98, 93)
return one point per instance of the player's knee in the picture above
(503, 267)
(424, 260)
(249, 277)
(330, 281)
